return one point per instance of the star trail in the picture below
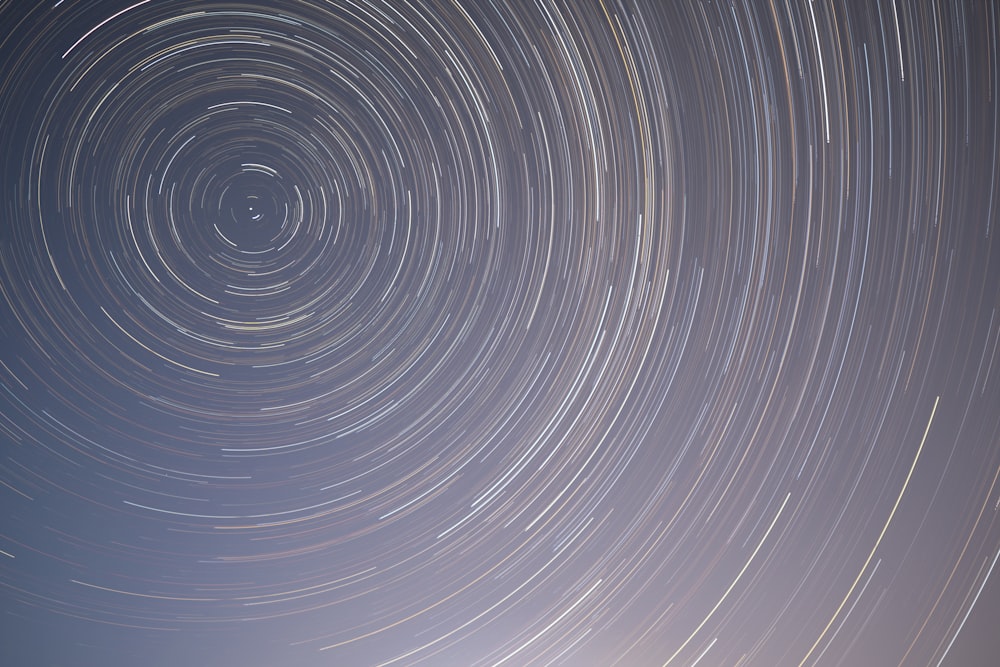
(350, 332)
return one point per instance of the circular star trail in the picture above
(488, 333)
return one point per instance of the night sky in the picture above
(476, 332)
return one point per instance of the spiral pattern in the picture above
(463, 333)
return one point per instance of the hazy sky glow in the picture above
(499, 333)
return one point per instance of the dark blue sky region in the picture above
(488, 333)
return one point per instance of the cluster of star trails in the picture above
(489, 333)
